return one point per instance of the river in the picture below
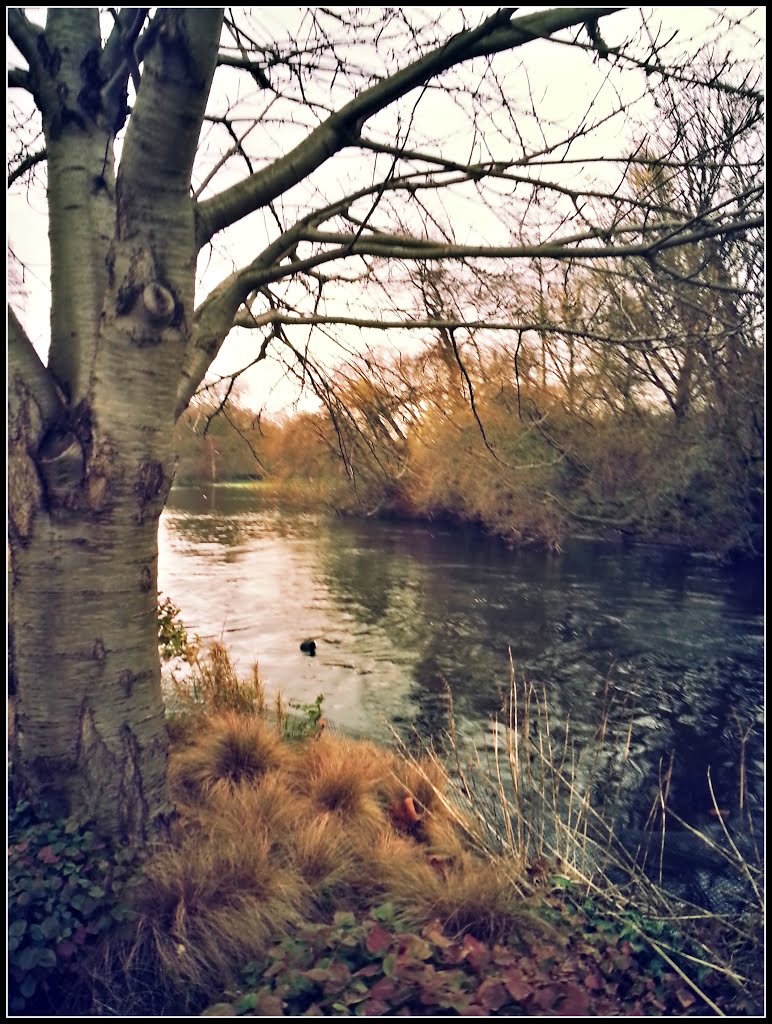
(400, 612)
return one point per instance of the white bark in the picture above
(90, 461)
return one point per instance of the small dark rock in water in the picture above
(308, 647)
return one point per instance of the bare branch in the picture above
(120, 62)
(19, 79)
(24, 362)
(25, 165)
(416, 249)
(170, 106)
(275, 316)
(25, 36)
(343, 127)
(245, 64)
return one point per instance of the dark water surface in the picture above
(399, 610)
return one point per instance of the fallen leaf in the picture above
(378, 940)
(383, 989)
(476, 953)
(411, 814)
(685, 998)
(516, 984)
(546, 998)
(374, 1008)
(575, 1002)
(492, 994)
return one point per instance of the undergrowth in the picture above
(66, 891)
(310, 874)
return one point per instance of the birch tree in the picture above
(172, 140)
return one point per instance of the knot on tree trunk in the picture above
(159, 303)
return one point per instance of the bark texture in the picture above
(90, 457)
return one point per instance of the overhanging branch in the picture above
(245, 64)
(25, 364)
(272, 317)
(25, 165)
(19, 79)
(25, 36)
(342, 128)
(416, 249)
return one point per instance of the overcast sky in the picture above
(565, 83)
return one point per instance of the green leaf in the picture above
(385, 913)
(560, 882)
(46, 958)
(389, 964)
(27, 959)
(28, 986)
(246, 1003)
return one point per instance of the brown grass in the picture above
(231, 749)
(272, 832)
(325, 858)
(214, 685)
(214, 902)
(463, 891)
(344, 781)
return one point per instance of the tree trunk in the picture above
(89, 736)
(90, 434)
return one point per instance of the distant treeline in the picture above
(557, 441)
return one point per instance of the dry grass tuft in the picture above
(424, 779)
(182, 729)
(464, 892)
(266, 804)
(213, 903)
(230, 750)
(324, 857)
(214, 685)
(343, 778)
(273, 833)
(479, 898)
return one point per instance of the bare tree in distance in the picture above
(206, 172)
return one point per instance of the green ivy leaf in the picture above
(246, 1003)
(28, 986)
(385, 913)
(50, 927)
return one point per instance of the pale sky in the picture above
(564, 83)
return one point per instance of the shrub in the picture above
(173, 639)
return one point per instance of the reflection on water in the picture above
(402, 611)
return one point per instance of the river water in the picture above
(666, 640)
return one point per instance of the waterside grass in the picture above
(308, 873)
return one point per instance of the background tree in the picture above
(316, 156)
(218, 438)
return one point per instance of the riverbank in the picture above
(557, 526)
(311, 874)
